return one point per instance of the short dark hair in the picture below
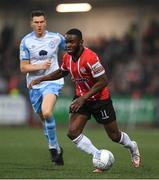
(37, 13)
(76, 32)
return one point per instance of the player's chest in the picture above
(42, 49)
(78, 68)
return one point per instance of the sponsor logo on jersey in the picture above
(43, 53)
(81, 80)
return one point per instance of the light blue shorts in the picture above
(36, 95)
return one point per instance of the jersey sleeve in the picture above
(95, 66)
(24, 53)
(62, 44)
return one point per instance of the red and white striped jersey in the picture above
(84, 71)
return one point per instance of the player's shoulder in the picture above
(54, 34)
(66, 56)
(27, 37)
(56, 38)
(90, 53)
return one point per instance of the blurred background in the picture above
(125, 35)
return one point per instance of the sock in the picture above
(45, 131)
(83, 143)
(50, 129)
(126, 141)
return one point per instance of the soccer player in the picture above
(39, 57)
(92, 97)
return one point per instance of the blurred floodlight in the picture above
(73, 7)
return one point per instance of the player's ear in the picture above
(31, 24)
(81, 42)
(45, 23)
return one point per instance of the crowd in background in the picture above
(130, 71)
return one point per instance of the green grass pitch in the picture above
(24, 154)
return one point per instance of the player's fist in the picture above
(77, 103)
(46, 64)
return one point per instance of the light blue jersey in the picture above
(37, 50)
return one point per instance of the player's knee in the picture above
(47, 114)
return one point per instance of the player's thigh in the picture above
(50, 93)
(48, 103)
(36, 99)
(103, 111)
(77, 122)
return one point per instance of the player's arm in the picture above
(99, 75)
(100, 83)
(26, 67)
(59, 73)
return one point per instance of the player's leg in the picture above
(43, 123)
(36, 97)
(76, 125)
(123, 138)
(55, 155)
(49, 101)
(106, 116)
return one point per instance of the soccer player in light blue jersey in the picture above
(39, 57)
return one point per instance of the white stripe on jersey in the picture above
(73, 75)
(87, 85)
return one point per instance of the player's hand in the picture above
(34, 82)
(46, 64)
(77, 103)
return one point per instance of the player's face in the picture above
(73, 44)
(38, 24)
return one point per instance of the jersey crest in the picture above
(83, 70)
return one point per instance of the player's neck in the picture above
(76, 56)
(40, 35)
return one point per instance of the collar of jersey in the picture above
(46, 32)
